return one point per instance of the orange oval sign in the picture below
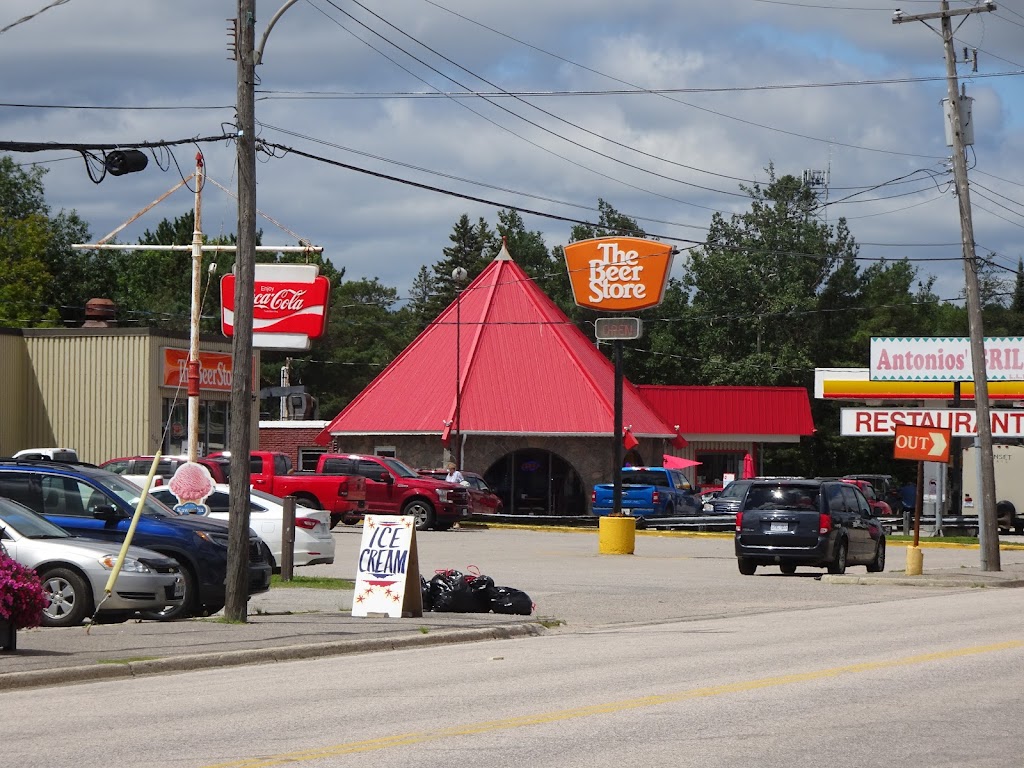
(616, 274)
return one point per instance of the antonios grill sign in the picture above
(617, 274)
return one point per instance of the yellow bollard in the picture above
(616, 535)
(915, 561)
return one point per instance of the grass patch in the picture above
(129, 660)
(312, 582)
(549, 623)
(937, 539)
(424, 630)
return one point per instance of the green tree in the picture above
(43, 280)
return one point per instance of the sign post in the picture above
(618, 274)
(920, 444)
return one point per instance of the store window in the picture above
(715, 465)
(213, 426)
(309, 458)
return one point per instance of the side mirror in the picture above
(108, 512)
(385, 477)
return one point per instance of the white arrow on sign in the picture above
(938, 444)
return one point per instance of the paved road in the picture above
(858, 676)
(671, 577)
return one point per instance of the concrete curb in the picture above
(188, 663)
(923, 581)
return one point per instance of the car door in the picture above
(71, 504)
(379, 494)
(856, 522)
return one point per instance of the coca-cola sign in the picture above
(289, 305)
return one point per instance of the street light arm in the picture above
(258, 55)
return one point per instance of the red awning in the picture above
(723, 411)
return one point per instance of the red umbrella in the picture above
(748, 466)
(675, 462)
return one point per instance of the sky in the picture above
(662, 108)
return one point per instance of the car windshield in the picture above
(734, 490)
(28, 523)
(400, 468)
(782, 497)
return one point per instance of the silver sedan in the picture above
(74, 571)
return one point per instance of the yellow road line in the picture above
(612, 707)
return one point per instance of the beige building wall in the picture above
(17, 385)
(97, 390)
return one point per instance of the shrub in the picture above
(22, 598)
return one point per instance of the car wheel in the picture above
(788, 568)
(68, 598)
(838, 564)
(212, 608)
(422, 511)
(878, 564)
(639, 523)
(746, 565)
(187, 607)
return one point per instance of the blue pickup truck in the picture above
(649, 492)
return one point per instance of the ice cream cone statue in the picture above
(191, 484)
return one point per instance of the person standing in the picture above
(454, 476)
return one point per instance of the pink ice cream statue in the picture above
(191, 484)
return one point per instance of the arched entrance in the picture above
(539, 482)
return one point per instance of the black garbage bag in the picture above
(428, 598)
(451, 593)
(510, 600)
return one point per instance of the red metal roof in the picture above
(733, 410)
(524, 367)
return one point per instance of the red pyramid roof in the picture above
(524, 368)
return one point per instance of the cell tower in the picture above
(819, 181)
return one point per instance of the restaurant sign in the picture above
(960, 422)
(618, 274)
(289, 305)
(944, 358)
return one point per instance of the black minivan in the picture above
(821, 524)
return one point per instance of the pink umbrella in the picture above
(748, 466)
(675, 462)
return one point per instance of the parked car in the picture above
(51, 454)
(880, 508)
(887, 488)
(313, 544)
(94, 503)
(817, 523)
(482, 500)
(136, 468)
(727, 501)
(74, 571)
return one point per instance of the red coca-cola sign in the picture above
(289, 305)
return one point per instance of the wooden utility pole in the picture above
(988, 531)
(237, 592)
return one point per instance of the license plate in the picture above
(179, 588)
(783, 527)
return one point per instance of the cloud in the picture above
(326, 77)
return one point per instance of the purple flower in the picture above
(22, 598)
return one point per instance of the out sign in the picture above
(921, 443)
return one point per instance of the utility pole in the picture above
(237, 586)
(988, 531)
(193, 347)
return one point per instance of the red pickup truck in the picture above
(343, 497)
(394, 488)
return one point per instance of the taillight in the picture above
(654, 498)
(739, 520)
(593, 497)
(343, 487)
(824, 523)
(307, 523)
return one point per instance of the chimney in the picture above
(99, 313)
